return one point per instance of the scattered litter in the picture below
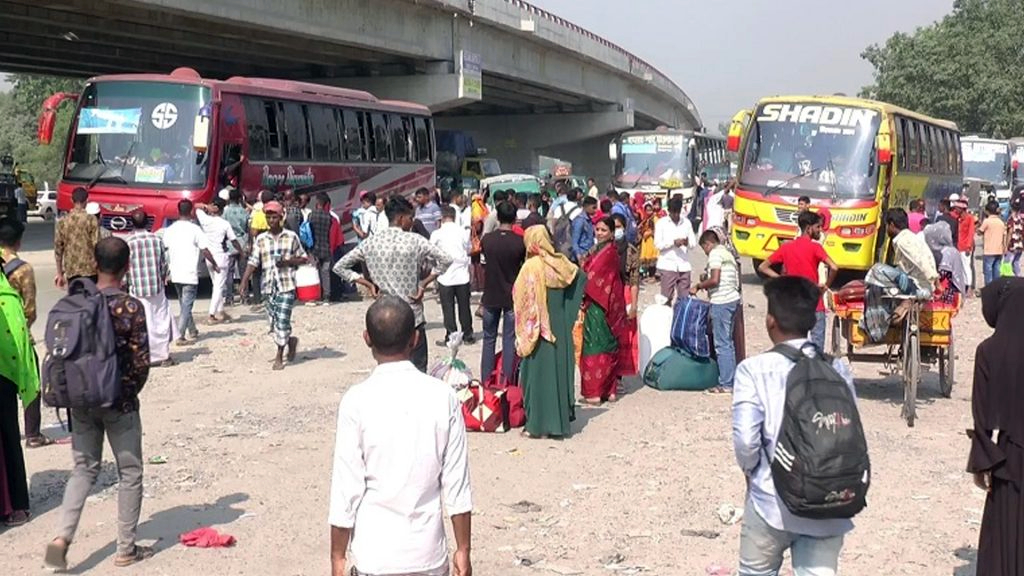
(565, 503)
(525, 506)
(612, 559)
(717, 570)
(514, 452)
(562, 570)
(729, 514)
(709, 534)
(157, 460)
(248, 515)
(920, 497)
(207, 538)
(524, 561)
(582, 487)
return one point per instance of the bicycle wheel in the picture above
(911, 377)
(946, 367)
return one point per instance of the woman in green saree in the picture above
(546, 299)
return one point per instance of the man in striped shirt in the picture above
(722, 282)
(148, 272)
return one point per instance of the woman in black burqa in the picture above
(997, 440)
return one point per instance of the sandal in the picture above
(56, 557)
(591, 401)
(38, 441)
(715, 390)
(18, 518)
(137, 555)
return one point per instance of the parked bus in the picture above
(666, 161)
(854, 157)
(1018, 162)
(148, 140)
(989, 162)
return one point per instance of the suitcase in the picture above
(676, 369)
(484, 410)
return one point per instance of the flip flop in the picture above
(139, 554)
(21, 521)
(38, 441)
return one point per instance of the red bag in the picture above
(484, 410)
(513, 393)
(851, 292)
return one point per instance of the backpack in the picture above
(12, 265)
(820, 467)
(81, 367)
(690, 327)
(561, 231)
(306, 234)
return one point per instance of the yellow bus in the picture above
(852, 158)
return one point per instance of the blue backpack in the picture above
(306, 234)
(690, 327)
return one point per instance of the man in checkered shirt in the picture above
(147, 276)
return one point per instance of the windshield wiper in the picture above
(642, 174)
(103, 176)
(789, 181)
(832, 176)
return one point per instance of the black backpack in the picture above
(820, 467)
(561, 231)
(81, 368)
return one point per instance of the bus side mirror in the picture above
(201, 133)
(736, 128)
(613, 150)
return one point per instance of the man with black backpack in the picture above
(799, 441)
(99, 377)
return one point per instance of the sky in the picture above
(726, 54)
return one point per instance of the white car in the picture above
(47, 200)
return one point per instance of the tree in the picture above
(19, 115)
(966, 68)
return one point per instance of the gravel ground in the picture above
(638, 489)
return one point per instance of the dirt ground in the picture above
(636, 490)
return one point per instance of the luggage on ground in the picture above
(676, 369)
(484, 410)
(655, 330)
(690, 327)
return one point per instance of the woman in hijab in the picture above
(546, 298)
(952, 276)
(997, 439)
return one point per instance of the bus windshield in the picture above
(653, 159)
(138, 133)
(988, 161)
(812, 149)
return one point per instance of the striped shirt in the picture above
(728, 289)
(147, 265)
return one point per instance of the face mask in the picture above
(620, 233)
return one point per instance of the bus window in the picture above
(947, 164)
(325, 133)
(925, 145)
(353, 136)
(276, 151)
(256, 128)
(399, 145)
(297, 131)
(381, 149)
(422, 140)
(913, 161)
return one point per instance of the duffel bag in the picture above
(676, 369)
(690, 327)
(484, 410)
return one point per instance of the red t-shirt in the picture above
(801, 257)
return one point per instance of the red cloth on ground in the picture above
(207, 538)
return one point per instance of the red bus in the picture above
(148, 140)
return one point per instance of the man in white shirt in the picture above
(454, 283)
(673, 236)
(572, 197)
(592, 189)
(365, 218)
(394, 478)
(184, 242)
(218, 234)
(463, 212)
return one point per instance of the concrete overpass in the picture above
(522, 80)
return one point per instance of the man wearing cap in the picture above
(278, 252)
(965, 237)
(74, 242)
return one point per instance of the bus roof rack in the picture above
(303, 87)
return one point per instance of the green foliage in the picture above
(19, 116)
(968, 67)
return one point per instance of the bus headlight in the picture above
(744, 220)
(856, 231)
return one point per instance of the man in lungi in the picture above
(278, 252)
(148, 274)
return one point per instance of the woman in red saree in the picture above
(629, 273)
(604, 318)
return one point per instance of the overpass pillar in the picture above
(517, 140)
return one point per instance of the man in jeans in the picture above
(505, 252)
(723, 286)
(121, 423)
(185, 241)
(769, 529)
(320, 222)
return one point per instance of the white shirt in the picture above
(400, 456)
(566, 207)
(218, 233)
(463, 216)
(454, 240)
(714, 213)
(673, 258)
(368, 220)
(382, 222)
(184, 241)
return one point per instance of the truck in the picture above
(458, 156)
(8, 184)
